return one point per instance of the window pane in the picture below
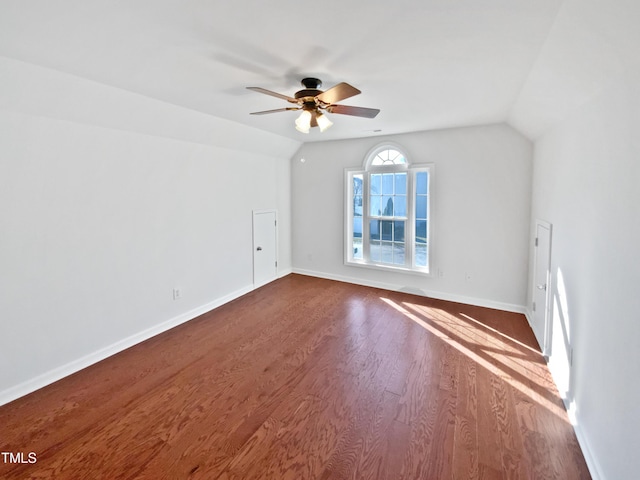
(387, 184)
(421, 183)
(357, 205)
(421, 206)
(387, 230)
(398, 231)
(401, 183)
(374, 251)
(386, 252)
(398, 253)
(357, 184)
(357, 227)
(375, 186)
(357, 248)
(421, 231)
(400, 207)
(375, 205)
(421, 255)
(387, 206)
(374, 229)
(395, 157)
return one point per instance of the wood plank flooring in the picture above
(307, 378)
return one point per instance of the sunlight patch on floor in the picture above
(494, 353)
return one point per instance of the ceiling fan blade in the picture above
(274, 111)
(273, 94)
(337, 93)
(355, 111)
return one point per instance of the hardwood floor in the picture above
(307, 378)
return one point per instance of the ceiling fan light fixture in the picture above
(303, 122)
(323, 122)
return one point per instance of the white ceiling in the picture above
(427, 64)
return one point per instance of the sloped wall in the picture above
(581, 103)
(586, 183)
(109, 201)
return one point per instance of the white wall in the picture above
(109, 200)
(481, 213)
(587, 184)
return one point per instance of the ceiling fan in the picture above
(313, 102)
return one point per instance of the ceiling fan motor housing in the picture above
(309, 92)
(307, 95)
(311, 82)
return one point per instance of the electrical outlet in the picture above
(177, 294)
(440, 273)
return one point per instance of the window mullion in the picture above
(365, 217)
(350, 193)
(349, 218)
(411, 215)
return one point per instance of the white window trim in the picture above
(371, 154)
(366, 170)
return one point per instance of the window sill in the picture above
(390, 268)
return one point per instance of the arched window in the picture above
(387, 211)
(387, 156)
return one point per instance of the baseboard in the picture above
(74, 366)
(479, 302)
(529, 316)
(284, 272)
(592, 464)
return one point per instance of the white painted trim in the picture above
(253, 243)
(366, 261)
(479, 302)
(368, 159)
(544, 337)
(592, 463)
(591, 460)
(70, 368)
(285, 272)
(529, 316)
(390, 268)
(74, 366)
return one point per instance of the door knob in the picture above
(542, 286)
(259, 249)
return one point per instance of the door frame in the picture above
(546, 333)
(254, 246)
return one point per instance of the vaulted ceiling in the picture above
(427, 64)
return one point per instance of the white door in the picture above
(265, 247)
(541, 280)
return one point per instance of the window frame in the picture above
(410, 220)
